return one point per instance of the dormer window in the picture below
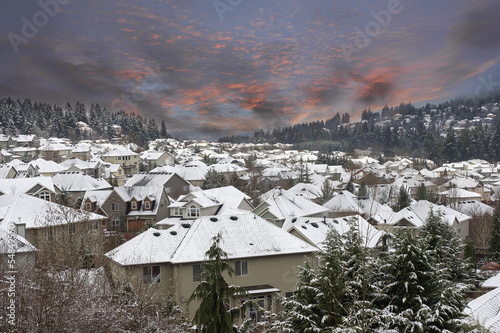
(133, 205)
(147, 205)
(88, 206)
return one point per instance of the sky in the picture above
(211, 68)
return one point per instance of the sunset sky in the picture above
(213, 68)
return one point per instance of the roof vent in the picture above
(173, 233)
(251, 243)
(314, 224)
(335, 221)
(186, 225)
(214, 219)
(294, 220)
(303, 227)
(156, 233)
(234, 218)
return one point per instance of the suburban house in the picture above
(24, 169)
(453, 195)
(277, 209)
(265, 259)
(56, 152)
(29, 140)
(56, 231)
(209, 202)
(114, 174)
(411, 184)
(343, 204)
(315, 230)
(71, 186)
(6, 141)
(128, 209)
(82, 152)
(47, 168)
(415, 215)
(153, 159)
(38, 187)
(8, 171)
(192, 171)
(125, 157)
(174, 185)
(469, 184)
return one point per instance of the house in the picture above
(47, 168)
(71, 186)
(415, 215)
(29, 140)
(265, 259)
(6, 141)
(209, 202)
(411, 184)
(82, 152)
(453, 195)
(5, 156)
(173, 183)
(277, 209)
(343, 204)
(93, 168)
(309, 191)
(61, 234)
(125, 157)
(24, 169)
(479, 224)
(191, 171)
(229, 169)
(38, 187)
(12, 243)
(315, 230)
(56, 152)
(153, 159)
(8, 171)
(469, 184)
(115, 174)
(128, 209)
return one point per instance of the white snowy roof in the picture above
(345, 202)
(21, 244)
(486, 310)
(243, 236)
(292, 206)
(36, 212)
(308, 191)
(47, 166)
(149, 179)
(119, 152)
(457, 193)
(316, 229)
(492, 282)
(78, 181)
(23, 185)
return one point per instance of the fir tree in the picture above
(215, 315)
(327, 191)
(362, 192)
(403, 199)
(213, 179)
(494, 247)
(421, 193)
(163, 130)
(349, 187)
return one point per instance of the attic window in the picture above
(314, 224)
(156, 233)
(186, 225)
(214, 219)
(173, 233)
(234, 218)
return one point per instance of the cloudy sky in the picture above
(212, 68)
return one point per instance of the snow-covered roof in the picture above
(47, 166)
(292, 206)
(150, 179)
(343, 202)
(316, 229)
(243, 236)
(492, 282)
(458, 193)
(21, 244)
(36, 212)
(486, 310)
(23, 185)
(308, 191)
(473, 208)
(75, 181)
(119, 152)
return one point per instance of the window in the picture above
(177, 212)
(168, 189)
(147, 205)
(193, 211)
(50, 234)
(185, 188)
(133, 205)
(241, 268)
(119, 171)
(88, 206)
(115, 224)
(44, 195)
(151, 274)
(72, 229)
(197, 272)
(115, 206)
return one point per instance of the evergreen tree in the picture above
(421, 193)
(349, 187)
(450, 146)
(403, 199)
(163, 130)
(362, 192)
(214, 314)
(213, 179)
(327, 191)
(494, 247)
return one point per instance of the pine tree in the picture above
(362, 192)
(215, 315)
(494, 247)
(163, 130)
(213, 179)
(327, 191)
(403, 199)
(421, 193)
(349, 187)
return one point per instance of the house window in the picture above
(193, 211)
(197, 272)
(133, 205)
(119, 171)
(44, 196)
(168, 189)
(185, 188)
(151, 274)
(115, 206)
(241, 268)
(147, 205)
(115, 223)
(177, 212)
(88, 206)
(50, 234)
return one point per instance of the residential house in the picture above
(453, 195)
(47, 168)
(93, 168)
(411, 184)
(469, 184)
(60, 233)
(5, 156)
(174, 185)
(29, 140)
(56, 152)
(6, 141)
(265, 259)
(191, 171)
(82, 152)
(114, 174)
(343, 204)
(153, 159)
(125, 157)
(485, 310)
(38, 187)
(71, 186)
(277, 209)
(8, 171)
(24, 169)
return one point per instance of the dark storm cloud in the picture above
(375, 91)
